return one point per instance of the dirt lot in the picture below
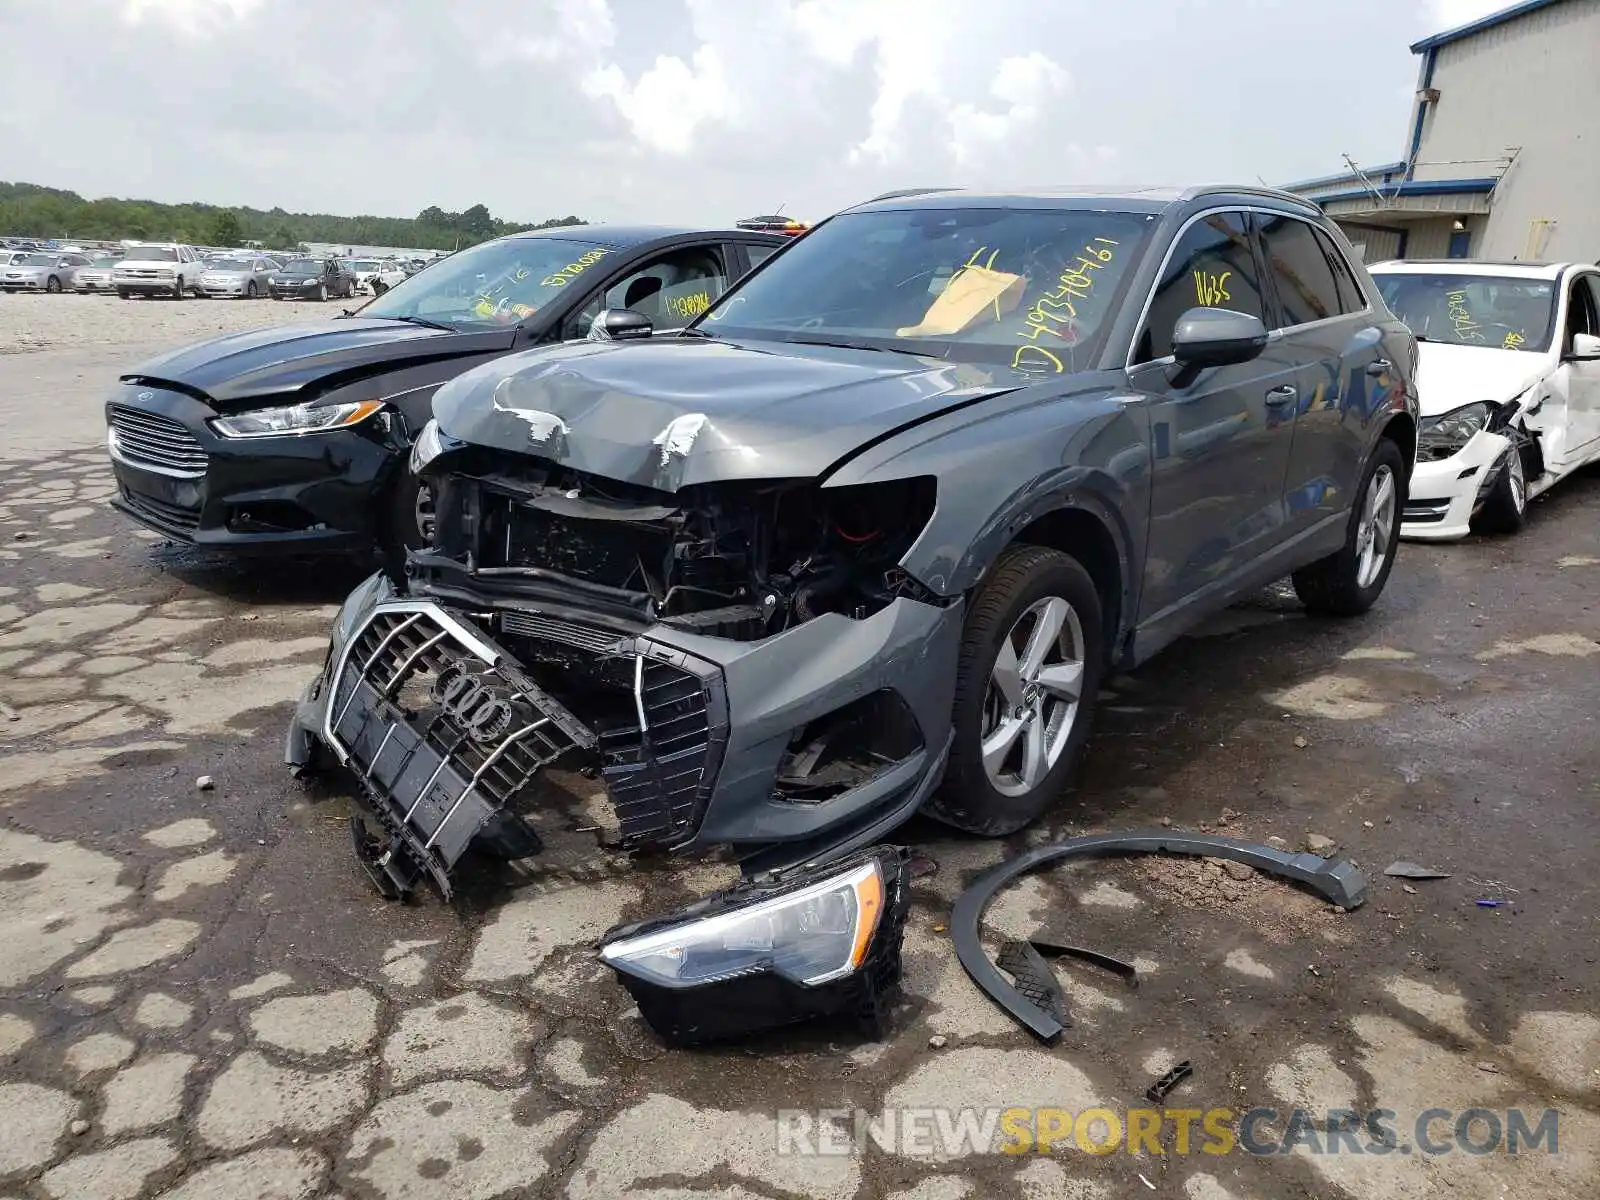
(199, 992)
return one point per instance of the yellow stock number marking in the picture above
(572, 270)
(687, 307)
(1209, 289)
(1466, 329)
(1513, 341)
(1055, 313)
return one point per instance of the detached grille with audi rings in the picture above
(442, 733)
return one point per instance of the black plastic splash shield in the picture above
(1337, 882)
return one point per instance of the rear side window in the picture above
(1344, 277)
(759, 254)
(1212, 266)
(1300, 270)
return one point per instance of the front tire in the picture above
(177, 290)
(250, 290)
(1029, 669)
(408, 519)
(1505, 509)
(322, 293)
(1350, 580)
(124, 294)
(52, 285)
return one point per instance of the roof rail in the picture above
(1252, 189)
(902, 193)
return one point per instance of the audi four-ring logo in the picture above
(481, 711)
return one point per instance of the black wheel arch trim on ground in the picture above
(1336, 881)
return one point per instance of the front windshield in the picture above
(363, 264)
(304, 265)
(1473, 310)
(1031, 289)
(153, 254)
(496, 283)
(40, 260)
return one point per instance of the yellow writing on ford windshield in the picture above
(1055, 313)
(573, 269)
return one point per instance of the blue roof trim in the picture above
(1482, 23)
(1344, 176)
(1426, 187)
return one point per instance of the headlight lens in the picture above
(809, 936)
(1445, 435)
(295, 419)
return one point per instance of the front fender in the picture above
(1005, 463)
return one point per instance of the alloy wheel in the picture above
(1031, 704)
(1376, 529)
(1518, 479)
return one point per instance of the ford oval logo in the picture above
(147, 395)
(481, 711)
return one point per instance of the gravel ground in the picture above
(41, 322)
(201, 998)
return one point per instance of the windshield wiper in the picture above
(696, 331)
(422, 321)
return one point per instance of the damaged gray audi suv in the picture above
(862, 539)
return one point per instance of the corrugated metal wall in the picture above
(1533, 82)
(1376, 245)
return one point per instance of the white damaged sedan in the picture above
(1509, 376)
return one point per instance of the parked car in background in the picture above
(311, 279)
(96, 277)
(43, 271)
(294, 439)
(159, 269)
(245, 278)
(1510, 386)
(377, 275)
(863, 539)
(774, 223)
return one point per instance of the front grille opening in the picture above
(148, 439)
(269, 516)
(846, 748)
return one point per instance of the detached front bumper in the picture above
(1446, 493)
(289, 494)
(432, 708)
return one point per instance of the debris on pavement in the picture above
(1336, 882)
(204, 783)
(1410, 870)
(1492, 903)
(1128, 972)
(1317, 843)
(1158, 1091)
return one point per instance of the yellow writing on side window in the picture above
(687, 307)
(1054, 312)
(1210, 290)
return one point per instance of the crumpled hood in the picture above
(239, 368)
(1451, 376)
(672, 412)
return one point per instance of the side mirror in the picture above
(1584, 346)
(620, 325)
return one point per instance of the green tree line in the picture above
(29, 210)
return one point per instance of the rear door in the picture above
(1324, 323)
(1220, 446)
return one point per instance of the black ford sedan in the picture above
(293, 438)
(311, 279)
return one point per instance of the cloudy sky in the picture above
(690, 110)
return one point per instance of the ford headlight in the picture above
(295, 419)
(760, 955)
(1445, 435)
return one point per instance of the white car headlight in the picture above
(810, 936)
(295, 419)
(1444, 435)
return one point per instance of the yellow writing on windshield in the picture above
(572, 270)
(1461, 319)
(1055, 312)
(1210, 289)
(1513, 341)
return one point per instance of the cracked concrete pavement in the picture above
(200, 997)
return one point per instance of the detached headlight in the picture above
(758, 956)
(1445, 435)
(295, 419)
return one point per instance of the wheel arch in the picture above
(1089, 538)
(1402, 431)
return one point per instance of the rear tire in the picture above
(1032, 728)
(124, 294)
(1350, 580)
(322, 293)
(1505, 509)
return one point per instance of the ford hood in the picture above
(1450, 376)
(243, 367)
(672, 412)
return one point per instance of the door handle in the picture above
(1279, 396)
(1379, 366)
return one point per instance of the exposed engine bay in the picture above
(741, 560)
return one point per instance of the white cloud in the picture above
(1447, 14)
(671, 100)
(197, 18)
(581, 29)
(1028, 85)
